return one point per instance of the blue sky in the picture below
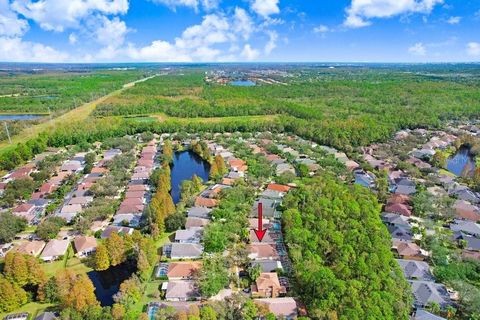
(239, 30)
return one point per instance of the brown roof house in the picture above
(409, 250)
(183, 270)
(267, 285)
(399, 208)
(85, 246)
(262, 251)
(54, 249)
(467, 211)
(205, 202)
(182, 290)
(26, 211)
(285, 308)
(31, 247)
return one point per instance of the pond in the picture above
(20, 117)
(462, 162)
(108, 282)
(185, 165)
(243, 83)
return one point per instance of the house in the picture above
(272, 194)
(193, 222)
(278, 187)
(72, 166)
(393, 219)
(115, 229)
(365, 179)
(137, 187)
(266, 239)
(17, 316)
(135, 194)
(268, 208)
(283, 168)
(262, 251)
(236, 164)
(5, 248)
(268, 265)
(400, 232)
(427, 292)
(199, 212)
(465, 210)
(421, 314)
(398, 198)
(133, 202)
(268, 285)
(83, 201)
(69, 212)
(178, 306)
(283, 308)
(399, 208)
(183, 251)
(466, 226)
(182, 290)
(205, 202)
(409, 251)
(85, 246)
(183, 270)
(26, 211)
(192, 235)
(54, 249)
(415, 270)
(32, 248)
(131, 209)
(470, 243)
(466, 195)
(47, 316)
(127, 219)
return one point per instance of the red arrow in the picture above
(260, 232)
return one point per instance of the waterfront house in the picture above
(33, 248)
(85, 246)
(183, 270)
(182, 290)
(54, 250)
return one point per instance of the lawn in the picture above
(69, 261)
(33, 308)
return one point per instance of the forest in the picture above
(45, 92)
(341, 253)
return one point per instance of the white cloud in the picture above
(360, 12)
(321, 29)
(272, 42)
(248, 53)
(16, 50)
(242, 23)
(454, 20)
(10, 24)
(58, 15)
(72, 38)
(473, 49)
(111, 32)
(194, 4)
(265, 8)
(418, 49)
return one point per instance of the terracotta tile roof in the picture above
(278, 187)
(183, 269)
(205, 202)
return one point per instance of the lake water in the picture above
(185, 165)
(463, 158)
(21, 117)
(243, 83)
(108, 282)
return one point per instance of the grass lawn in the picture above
(69, 261)
(33, 308)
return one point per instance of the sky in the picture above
(239, 30)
